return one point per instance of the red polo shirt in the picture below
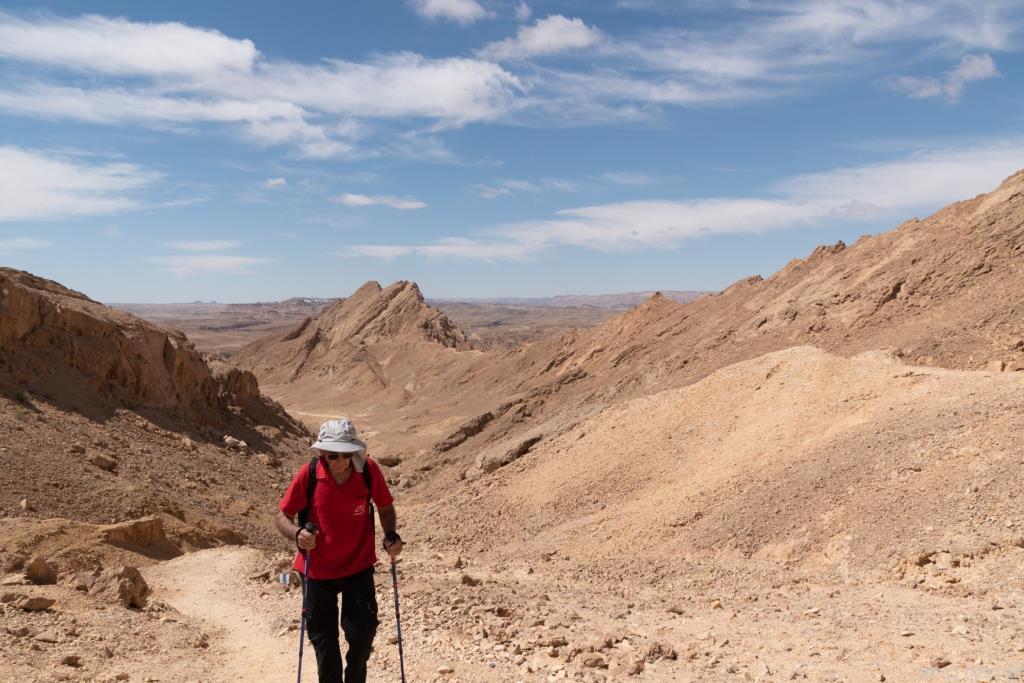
(345, 544)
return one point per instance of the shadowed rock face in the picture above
(69, 347)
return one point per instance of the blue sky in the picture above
(485, 147)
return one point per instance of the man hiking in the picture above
(342, 551)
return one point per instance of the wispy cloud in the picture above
(171, 76)
(629, 178)
(183, 265)
(206, 245)
(547, 36)
(118, 46)
(951, 84)
(404, 203)
(766, 50)
(453, 247)
(458, 11)
(504, 187)
(275, 182)
(883, 191)
(22, 244)
(168, 76)
(42, 185)
(523, 11)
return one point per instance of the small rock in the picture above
(445, 670)
(188, 444)
(939, 663)
(389, 460)
(77, 448)
(71, 660)
(23, 504)
(268, 459)
(468, 580)
(995, 366)
(35, 603)
(47, 637)
(40, 572)
(105, 463)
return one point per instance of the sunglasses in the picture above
(334, 456)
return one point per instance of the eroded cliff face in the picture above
(62, 344)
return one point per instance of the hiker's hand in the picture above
(306, 540)
(394, 549)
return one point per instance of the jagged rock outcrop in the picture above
(62, 343)
(380, 346)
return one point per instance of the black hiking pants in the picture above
(358, 621)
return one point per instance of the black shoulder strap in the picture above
(368, 480)
(310, 490)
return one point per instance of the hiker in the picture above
(342, 551)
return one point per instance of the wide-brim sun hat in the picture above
(339, 436)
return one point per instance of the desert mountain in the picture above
(942, 291)
(107, 418)
(374, 348)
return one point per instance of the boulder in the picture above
(34, 603)
(144, 531)
(123, 585)
(39, 571)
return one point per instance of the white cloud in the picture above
(886, 191)
(404, 203)
(453, 247)
(195, 264)
(170, 76)
(120, 46)
(629, 178)
(523, 11)
(547, 36)
(22, 244)
(205, 245)
(764, 51)
(952, 83)
(507, 187)
(275, 182)
(459, 11)
(41, 185)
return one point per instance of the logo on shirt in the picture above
(360, 510)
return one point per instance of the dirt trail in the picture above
(209, 588)
(245, 622)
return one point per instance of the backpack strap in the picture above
(310, 490)
(368, 480)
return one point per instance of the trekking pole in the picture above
(398, 618)
(311, 528)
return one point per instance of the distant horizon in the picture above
(428, 299)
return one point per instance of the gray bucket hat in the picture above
(339, 436)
